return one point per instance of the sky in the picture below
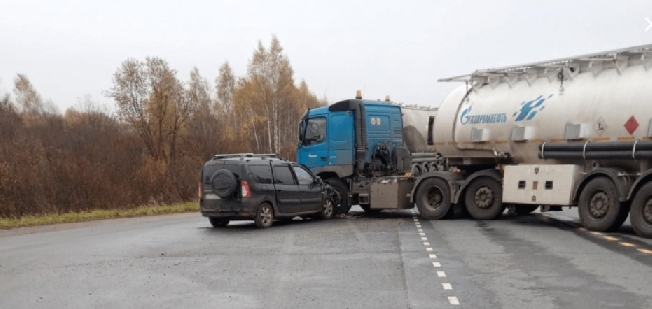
(71, 48)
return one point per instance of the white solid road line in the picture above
(453, 300)
(441, 274)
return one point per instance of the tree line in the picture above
(151, 149)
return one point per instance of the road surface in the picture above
(391, 260)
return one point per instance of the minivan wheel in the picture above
(327, 209)
(342, 203)
(219, 222)
(264, 216)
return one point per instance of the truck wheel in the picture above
(342, 202)
(264, 216)
(219, 222)
(523, 210)
(224, 183)
(433, 199)
(599, 207)
(484, 199)
(641, 214)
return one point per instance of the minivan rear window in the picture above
(261, 173)
(233, 168)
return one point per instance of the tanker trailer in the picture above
(566, 132)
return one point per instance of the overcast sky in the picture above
(70, 48)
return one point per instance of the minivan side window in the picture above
(283, 175)
(261, 173)
(303, 176)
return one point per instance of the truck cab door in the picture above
(313, 150)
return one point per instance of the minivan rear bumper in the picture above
(215, 207)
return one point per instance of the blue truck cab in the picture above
(352, 140)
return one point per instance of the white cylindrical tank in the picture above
(590, 105)
(415, 128)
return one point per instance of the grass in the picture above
(8, 223)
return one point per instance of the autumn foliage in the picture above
(151, 149)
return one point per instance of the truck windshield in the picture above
(315, 131)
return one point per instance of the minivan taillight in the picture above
(246, 190)
(200, 191)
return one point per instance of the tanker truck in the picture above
(571, 132)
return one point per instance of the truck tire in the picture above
(641, 212)
(599, 207)
(218, 222)
(224, 183)
(342, 202)
(433, 198)
(484, 199)
(264, 215)
(523, 210)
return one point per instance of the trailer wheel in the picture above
(641, 214)
(433, 198)
(599, 207)
(484, 199)
(342, 202)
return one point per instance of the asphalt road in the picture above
(387, 261)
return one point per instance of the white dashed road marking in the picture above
(441, 274)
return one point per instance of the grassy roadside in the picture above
(8, 223)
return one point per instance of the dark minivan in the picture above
(261, 187)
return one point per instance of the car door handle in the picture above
(312, 156)
(323, 158)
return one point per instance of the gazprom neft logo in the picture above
(527, 111)
(467, 118)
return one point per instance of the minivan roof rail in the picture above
(244, 155)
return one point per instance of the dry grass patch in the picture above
(8, 223)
